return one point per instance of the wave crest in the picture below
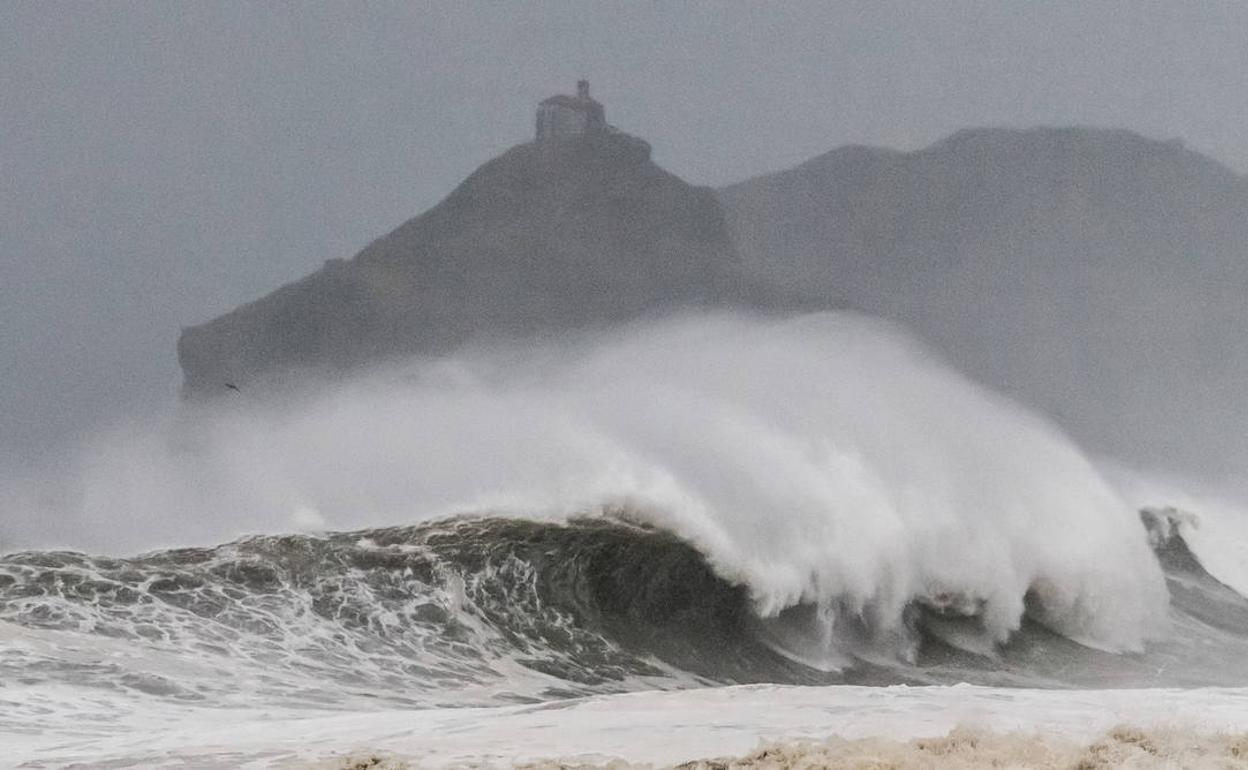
(823, 462)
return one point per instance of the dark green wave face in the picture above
(487, 610)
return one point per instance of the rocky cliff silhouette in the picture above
(568, 234)
(1095, 274)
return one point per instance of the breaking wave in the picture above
(480, 610)
(703, 500)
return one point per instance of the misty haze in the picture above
(481, 385)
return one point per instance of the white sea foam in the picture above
(1018, 728)
(826, 461)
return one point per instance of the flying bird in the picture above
(233, 387)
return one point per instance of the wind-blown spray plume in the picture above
(846, 478)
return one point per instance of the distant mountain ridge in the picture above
(1096, 274)
(562, 234)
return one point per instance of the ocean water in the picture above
(658, 544)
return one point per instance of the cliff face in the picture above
(1096, 274)
(545, 237)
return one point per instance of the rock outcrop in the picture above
(1096, 274)
(565, 234)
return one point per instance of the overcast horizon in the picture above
(164, 164)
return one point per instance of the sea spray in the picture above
(826, 461)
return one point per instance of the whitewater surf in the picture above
(693, 505)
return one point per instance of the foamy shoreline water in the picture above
(967, 749)
(655, 728)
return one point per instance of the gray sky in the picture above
(161, 163)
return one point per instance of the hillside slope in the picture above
(1096, 274)
(571, 234)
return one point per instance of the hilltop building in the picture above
(566, 117)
